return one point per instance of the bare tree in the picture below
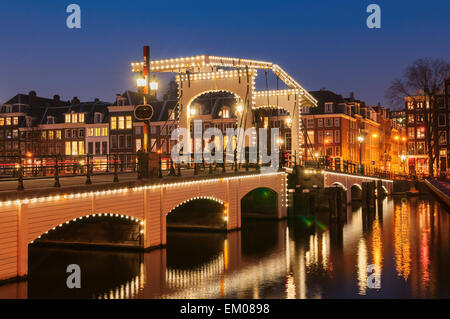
(423, 80)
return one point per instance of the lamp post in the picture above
(360, 140)
(146, 87)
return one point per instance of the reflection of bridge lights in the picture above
(128, 290)
(362, 266)
(180, 278)
(402, 245)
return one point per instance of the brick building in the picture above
(346, 129)
(416, 108)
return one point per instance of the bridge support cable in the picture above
(243, 117)
(167, 121)
(307, 140)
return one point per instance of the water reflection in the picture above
(306, 257)
(402, 244)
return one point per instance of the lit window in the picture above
(121, 122)
(15, 120)
(58, 134)
(113, 123)
(337, 137)
(138, 144)
(74, 148)
(2, 121)
(97, 131)
(104, 131)
(337, 151)
(81, 147)
(8, 121)
(226, 113)
(129, 122)
(68, 152)
(74, 118)
(91, 131)
(336, 122)
(421, 132)
(81, 117)
(44, 135)
(443, 138)
(50, 135)
(67, 118)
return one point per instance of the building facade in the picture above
(346, 130)
(416, 108)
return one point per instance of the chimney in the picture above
(352, 96)
(32, 98)
(75, 100)
(56, 100)
(96, 100)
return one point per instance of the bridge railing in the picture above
(65, 165)
(21, 168)
(347, 167)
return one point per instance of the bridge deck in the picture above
(76, 184)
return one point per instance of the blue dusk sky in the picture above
(321, 43)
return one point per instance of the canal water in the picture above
(402, 251)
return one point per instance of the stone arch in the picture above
(212, 198)
(61, 225)
(254, 206)
(339, 184)
(356, 192)
(201, 212)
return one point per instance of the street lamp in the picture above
(239, 108)
(153, 85)
(140, 82)
(280, 141)
(288, 122)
